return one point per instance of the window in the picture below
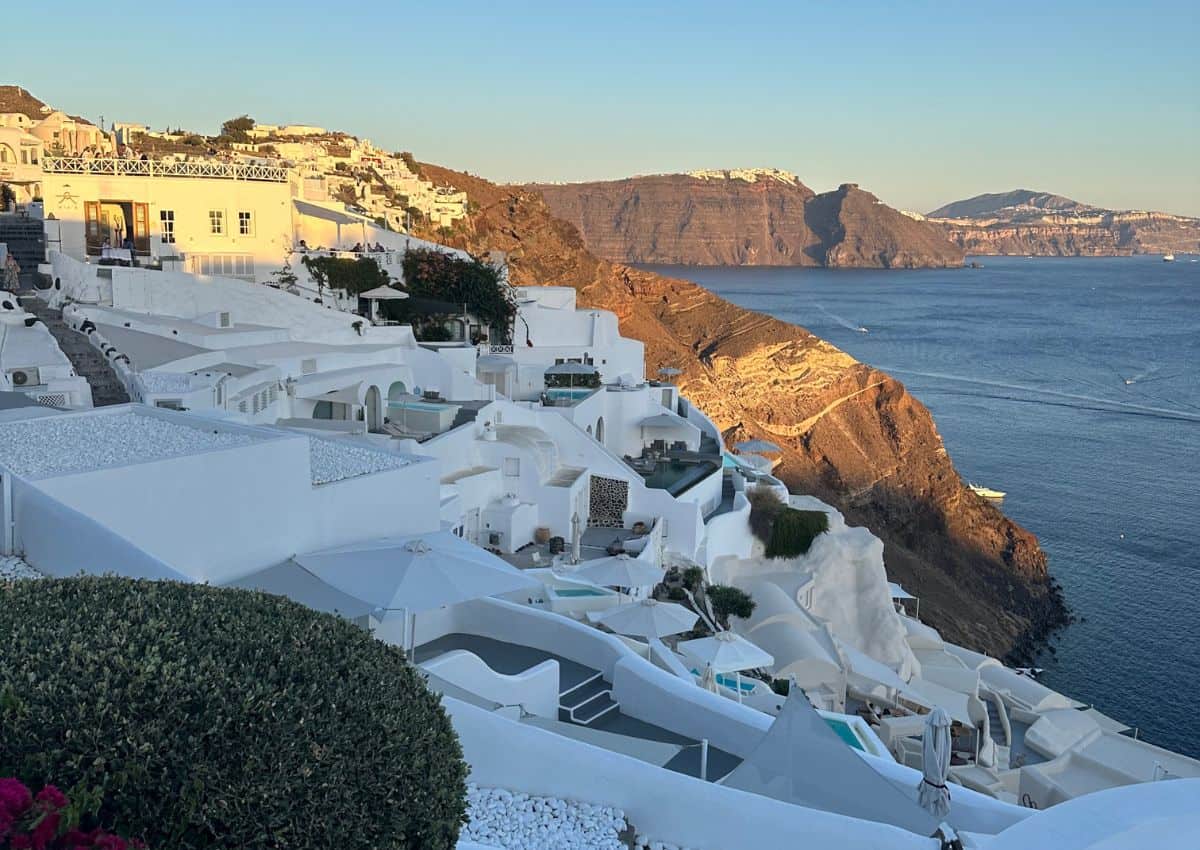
(512, 467)
(166, 221)
(216, 222)
(245, 223)
(224, 265)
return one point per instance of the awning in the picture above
(899, 592)
(934, 695)
(664, 421)
(315, 211)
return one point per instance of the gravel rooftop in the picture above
(63, 445)
(336, 460)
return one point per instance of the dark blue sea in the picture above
(1074, 386)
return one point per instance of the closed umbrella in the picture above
(620, 571)
(935, 764)
(760, 446)
(649, 618)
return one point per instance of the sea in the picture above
(1074, 386)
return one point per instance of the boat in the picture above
(863, 330)
(1168, 258)
(987, 492)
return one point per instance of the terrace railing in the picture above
(202, 168)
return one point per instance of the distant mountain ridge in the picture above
(1025, 221)
(753, 216)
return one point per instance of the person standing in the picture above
(12, 274)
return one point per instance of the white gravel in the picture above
(516, 821)
(335, 460)
(12, 567)
(165, 382)
(61, 445)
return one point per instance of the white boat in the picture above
(987, 492)
(863, 330)
(1168, 258)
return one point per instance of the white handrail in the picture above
(206, 168)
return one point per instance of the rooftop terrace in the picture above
(337, 460)
(204, 168)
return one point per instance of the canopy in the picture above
(383, 293)
(620, 571)
(863, 666)
(726, 652)
(298, 584)
(494, 363)
(416, 573)
(762, 464)
(935, 764)
(571, 369)
(933, 695)
(351, 394)
(899, 592)
(759, 446)
(801, 760)
(664, 421)
(649, 618)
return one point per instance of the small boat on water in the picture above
(863, 330)
(1168, 258)
(987, 492)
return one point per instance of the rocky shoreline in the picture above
(852, 435)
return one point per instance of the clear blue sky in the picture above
(921, 103)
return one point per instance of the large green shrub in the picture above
(793, 532)
(478, 285)
(727, 600)
(210, 717)
(356, 275)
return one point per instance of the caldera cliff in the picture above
(852, 435)
(755, 217)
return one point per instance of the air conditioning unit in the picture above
(24, 377)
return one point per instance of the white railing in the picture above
(208, 168)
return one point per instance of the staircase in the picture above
(586, 702)
(89, 363)
(995, 729)
(26, 241)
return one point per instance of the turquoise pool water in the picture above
(578, 591)
(416, 405)
(574, 393)
(844, 732)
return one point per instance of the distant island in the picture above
(1027, 222)
(746, 217)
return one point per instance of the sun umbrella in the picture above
(726, 652)
(416, 573)
(760, 446)
(708, 679)
(670, 371)
(620, 571)
(935, 764)
(649, 618)
(383, 293)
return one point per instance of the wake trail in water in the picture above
(1082, 402)
(838, 319)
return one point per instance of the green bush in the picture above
(693, 577)
(765, 505)
(207, 717)
(479, 285)
(728, 600)
(360, 274)
(793, 532)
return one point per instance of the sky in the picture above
(921, 103)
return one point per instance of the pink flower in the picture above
(111, 842)
(14, 797)
(6, 822)
(21, 842)
(52, 798)
(45, 831)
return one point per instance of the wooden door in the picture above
(91, 226)
(141, 228)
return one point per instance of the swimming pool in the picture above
(676, 476)
(578, 591)
(431, 406)
(843, 731)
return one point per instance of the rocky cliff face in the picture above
(1038, 223)
(766, 218)
(852, 435)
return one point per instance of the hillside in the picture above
(1042, 224)
(751, 217)
(852, 434)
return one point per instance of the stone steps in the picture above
(89, 363)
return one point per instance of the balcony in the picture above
(203, 168)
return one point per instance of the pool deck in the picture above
(510, 658)
(593, 545)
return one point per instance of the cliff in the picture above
(852, 435)
(1027, 222)
(751, 217)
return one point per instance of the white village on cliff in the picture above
(189, 391)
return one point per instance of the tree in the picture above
(7, 196)
(238, 128)
(354, 276)
(728, 600)
(478, 285)
(285, 278)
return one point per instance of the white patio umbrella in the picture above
(670, 371)
(935, 764)
(708, 679)
(576, 537)
(383, 293)
(727, 653)
(760, 446)
(649, 618)
(416, 573)
(620, 571)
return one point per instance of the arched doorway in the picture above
(600, 430)
(396, 391)
(374, 409)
